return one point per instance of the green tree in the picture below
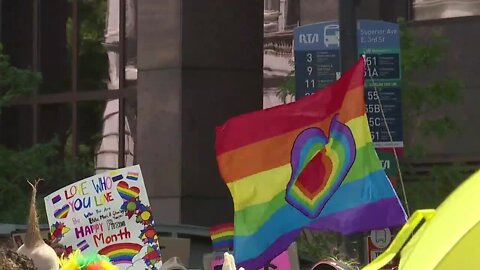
(15, 82)
(423, 113)
(422, 97)
(39, 161)
(53, 160)
(93, 60)
(92, 70)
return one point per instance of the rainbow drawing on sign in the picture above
(132, 176)
(62, 213)
(83, 245)
(117, 178)
(58, 231)
(152, 256)
(56, 199)
(121, 253)
(148, 235)
(127, 192)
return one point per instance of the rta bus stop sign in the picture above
(317, 57)
(317, 64)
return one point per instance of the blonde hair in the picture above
(337, 263)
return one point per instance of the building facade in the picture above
(453, 19)
(169, 72)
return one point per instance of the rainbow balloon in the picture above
(121, 253)
(319, 165)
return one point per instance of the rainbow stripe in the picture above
(132, 176)
(62, 213)
(118, 177)
(56, 199)
(83, 245)
(121, 253)
(222, 237)
(127, 192)
(307, 164)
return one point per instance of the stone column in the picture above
(199, 63)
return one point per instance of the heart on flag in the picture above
(319, 166)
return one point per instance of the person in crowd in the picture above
(229, 262)
(334, 264)
(79, 261)
(173, 263)
(44, 256)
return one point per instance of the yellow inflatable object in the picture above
(449, 238)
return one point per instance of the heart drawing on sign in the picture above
(127, 192)
(62, 212)
(319, 166)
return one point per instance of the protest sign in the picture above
(108, 213)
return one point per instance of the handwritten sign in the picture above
(281, 262)
(110, 214)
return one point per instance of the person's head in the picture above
(11, 260)
(332, 264)
(173, 263)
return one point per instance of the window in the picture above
(280, 15)
(86, 53)
(438, 9)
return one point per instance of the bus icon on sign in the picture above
(331, 35)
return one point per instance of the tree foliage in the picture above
(425, 118)
(39, 161)
(424, 99)
(15, 82)
(49, 160)
(93, 60)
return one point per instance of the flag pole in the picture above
(348, 33)
(352, 245)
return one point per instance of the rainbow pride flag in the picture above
(307, 164)
(222, 237)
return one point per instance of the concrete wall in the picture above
(462, 62)
(312, 11)
(200, 63)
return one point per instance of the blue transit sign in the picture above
(377, 34)
(317, 57)
(380, 43)
(317, 64)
